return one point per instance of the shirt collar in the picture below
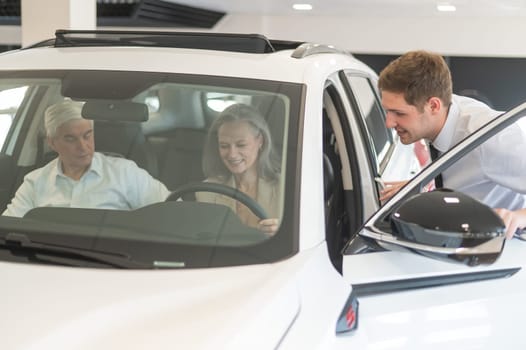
(445, 137)
(95, 166)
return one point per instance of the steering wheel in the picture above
(228, 191)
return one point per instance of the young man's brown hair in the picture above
(419, 75)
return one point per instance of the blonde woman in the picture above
(238, 153)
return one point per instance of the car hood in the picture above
(48, 307)
(474, 313)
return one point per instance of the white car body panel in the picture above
(188, 62)
(463, 316)
(194, 309)
(176, 307)
(312, 171)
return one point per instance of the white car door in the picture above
(416, 295)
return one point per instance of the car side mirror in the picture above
(451, 225)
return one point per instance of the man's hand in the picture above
(391, 187)
(512, 219)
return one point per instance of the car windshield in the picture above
(193, 139)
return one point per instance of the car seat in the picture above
(272, 108)
(126, 139)
(180, 152)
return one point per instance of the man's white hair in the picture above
(60, 113)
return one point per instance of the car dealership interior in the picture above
(262, 174)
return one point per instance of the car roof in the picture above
(267, 59)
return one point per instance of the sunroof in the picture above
(249, 43)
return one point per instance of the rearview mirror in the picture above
(115, 110)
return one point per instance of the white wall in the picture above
(10, 35)
(444, 34)
(449, 36)
(40, 18)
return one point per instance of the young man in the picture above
(81, 177)
(417, 96)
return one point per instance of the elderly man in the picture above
(81, 177)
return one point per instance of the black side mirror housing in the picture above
(450, 220)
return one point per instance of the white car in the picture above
(426, 270)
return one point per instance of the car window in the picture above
(10, 100)
(218, 101)
(380, 137)
(162, 123)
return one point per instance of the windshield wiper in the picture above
(20, 243)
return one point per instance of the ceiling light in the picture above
(446, 7)
(302, 7)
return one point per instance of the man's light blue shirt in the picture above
(109, 183)
(492, 173)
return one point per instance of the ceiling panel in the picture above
(398, 8)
